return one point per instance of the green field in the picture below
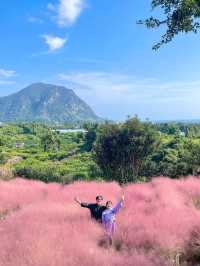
(23, 152)
(133, 151)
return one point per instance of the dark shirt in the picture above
(95, 210)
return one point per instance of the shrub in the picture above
(191, 254)
(6, 173)
(3, 157)
(33, 169)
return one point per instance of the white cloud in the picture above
(123, 85)
(67, 11)
(54, 42)
(117, 95)
(5, 73)
(106, 83)
(6, 76)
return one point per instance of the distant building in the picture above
(182, 133)
(62, 131)
(19, 144)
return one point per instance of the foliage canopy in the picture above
(179, 16)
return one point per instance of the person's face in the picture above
(99, 201)
(109, 205)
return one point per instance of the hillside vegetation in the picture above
(47, 103)
(36, 151)
(132, 151)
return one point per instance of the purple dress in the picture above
(108, 219)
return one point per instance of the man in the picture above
(96, 209)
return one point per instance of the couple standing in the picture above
(104, 214)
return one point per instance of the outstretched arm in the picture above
(119, 205)
(82, 204)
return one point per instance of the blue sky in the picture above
(96, 48)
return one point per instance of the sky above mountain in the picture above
(96, 48)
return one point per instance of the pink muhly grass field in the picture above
(41, 225)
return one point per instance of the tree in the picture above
(50, 141)
(121, 149)
(90, 136)
(194, 158)
(179, 16)
(175, 158)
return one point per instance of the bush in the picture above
(76, 168)
(33, 169)
(6, 173)
(3, 157)
(57, 155)
(191, 253)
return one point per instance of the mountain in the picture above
(45, 102)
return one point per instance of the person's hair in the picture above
(108, 202)
(99, 197)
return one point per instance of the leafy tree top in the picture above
(179, 16)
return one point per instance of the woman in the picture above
(108, 218)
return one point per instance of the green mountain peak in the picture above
(45, 102)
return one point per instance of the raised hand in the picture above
(122, 197)
(77, 200)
